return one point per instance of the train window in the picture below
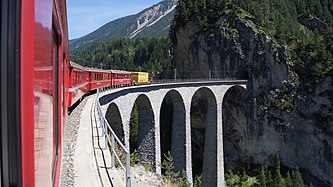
(75, 78)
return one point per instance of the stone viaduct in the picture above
(179, 129)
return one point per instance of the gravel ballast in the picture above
(67, 173)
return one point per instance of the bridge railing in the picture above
(162, 81)
(112, 140)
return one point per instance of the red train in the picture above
(83, 80)
(38, 84)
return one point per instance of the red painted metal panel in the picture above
(27, 97)
(121, 78)
(79, 84)
(99, 78)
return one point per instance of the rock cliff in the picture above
(280, 114)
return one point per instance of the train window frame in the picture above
(55, 38)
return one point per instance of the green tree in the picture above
(134, 123)
(262, 177)
(298, 180)
(278, 179)
(289, 182)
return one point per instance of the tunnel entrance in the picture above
(114, 119)
(172, 129)
(243, 74)
(142, 131)
(204, 137)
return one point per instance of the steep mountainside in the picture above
(153, 21)
(284, 49)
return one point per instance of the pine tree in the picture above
(262, 177)
(289, 182)
(298, 180)
(278, 179)
(184, 13)
(269, 179)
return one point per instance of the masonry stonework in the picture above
(150, 98)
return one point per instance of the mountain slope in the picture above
(284, 49)
(153, 21)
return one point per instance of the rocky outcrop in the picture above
(151, 16)
(314, 23)
(279, 114)
(241, 52)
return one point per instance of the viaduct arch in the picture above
(162, 129)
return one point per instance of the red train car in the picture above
(33, 78)
(79, 83)
(120, 77)
(99, 78)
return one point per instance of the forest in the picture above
(146, 54)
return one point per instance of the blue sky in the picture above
(85, 16)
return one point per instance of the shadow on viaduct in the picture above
(183, 118)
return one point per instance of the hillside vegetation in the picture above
(146, 54)
(304, 26)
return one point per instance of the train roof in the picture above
(138, 72)
(75, 65)
(98, 70)
(120, 71)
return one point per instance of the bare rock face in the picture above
(279, 114)
(242, 52)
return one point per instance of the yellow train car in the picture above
(140, 77)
